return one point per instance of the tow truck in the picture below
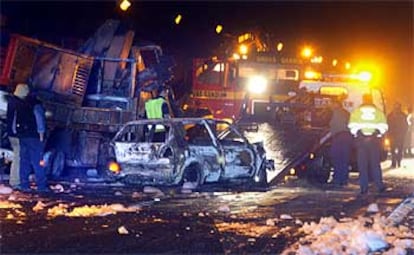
(318, 94)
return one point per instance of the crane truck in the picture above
(87, 93)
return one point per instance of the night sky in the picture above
(380, 33)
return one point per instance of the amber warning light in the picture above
(114, 167)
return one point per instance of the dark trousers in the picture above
(397, 145)
(31, 153)
(369, 161)
(340, 152)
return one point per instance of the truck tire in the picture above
(320, 170)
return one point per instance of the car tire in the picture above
(192, 174)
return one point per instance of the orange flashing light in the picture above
(114, 167)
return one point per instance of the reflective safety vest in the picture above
(153, 109)
(367, 119)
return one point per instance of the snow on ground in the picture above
(358, 236)
(378, 233)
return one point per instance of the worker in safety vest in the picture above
(157, 108)
(367, 124)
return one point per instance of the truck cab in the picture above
(233, 88)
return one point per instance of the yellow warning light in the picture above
(243, 49)
(311, 75)
(236, 56)
(307, 52)
(365, 76)
(334, 62)
(114, 167)
(178, 19)
(279, 46)
(125, 4)
(219, 28)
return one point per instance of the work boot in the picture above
(382, 189)
(363, 191)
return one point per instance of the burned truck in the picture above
(87, 93)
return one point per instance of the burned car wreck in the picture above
(179, 150)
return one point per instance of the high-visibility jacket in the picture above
(367, 119)
(153, 109)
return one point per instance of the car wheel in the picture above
(192, 174)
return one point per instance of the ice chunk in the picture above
(122, 230)
(4, 190)
(373, 208)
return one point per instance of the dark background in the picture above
(380, 33)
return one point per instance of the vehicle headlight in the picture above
(257, 84)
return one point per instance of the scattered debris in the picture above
(57, 188)
(224, 208)
(9, 205)
(359, 236)
(401, 211)
(373, 208)
(153, 190)
(39, 206)
(286, 217)
(90, 210)
(122, 230)
(4, 190)
(189, 186)
(271, 222)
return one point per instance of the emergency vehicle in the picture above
(318, 94)
(244, 83)
(348, 88)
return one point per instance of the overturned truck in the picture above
(89, 93)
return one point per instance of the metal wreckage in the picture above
(89, 94)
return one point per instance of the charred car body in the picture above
(179, 150)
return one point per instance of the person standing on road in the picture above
(30, 126)
(367, 124)
(19, 94)
(397, 122)
(340, 149)
(409, 135)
